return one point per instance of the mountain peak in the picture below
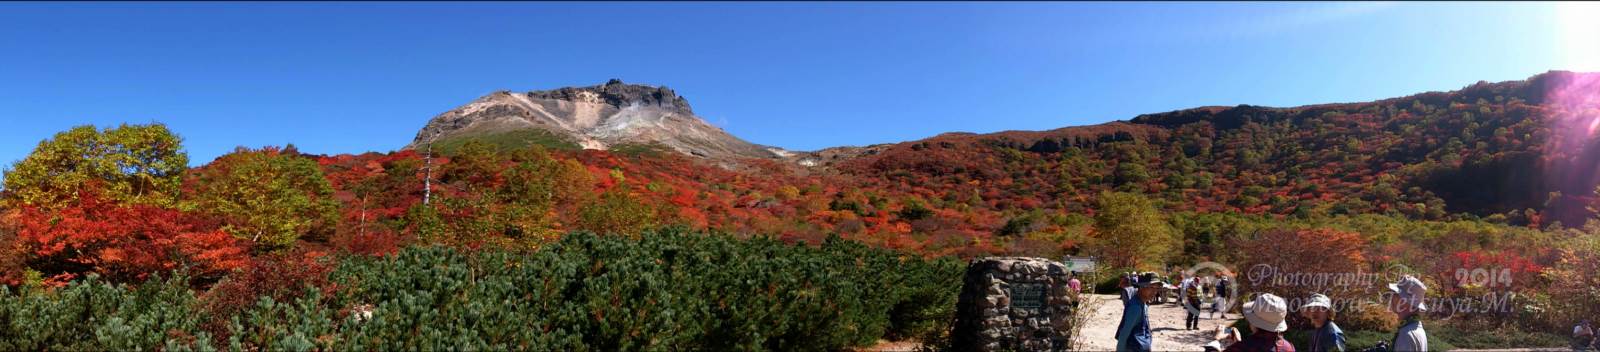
(594, 117)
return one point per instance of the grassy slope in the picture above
(511, 140)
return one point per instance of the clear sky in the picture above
(355, 77)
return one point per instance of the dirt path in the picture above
(1166, 323)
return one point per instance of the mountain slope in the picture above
(1520, 152)
(595, 117)
(1525, 152)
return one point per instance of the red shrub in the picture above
(284, 277)
(122, 242)
(1499, 271)
(375, 242)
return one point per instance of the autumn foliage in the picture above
(128, 163)
(122, 242)
(1298, 263)
(1436, 181)
(270, 197)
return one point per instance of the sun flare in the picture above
(1579, 31)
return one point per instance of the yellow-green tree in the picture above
(267, 196)
(139, 164)
(1130, 231)
(474, 167)
(536, 188)
(617, 211)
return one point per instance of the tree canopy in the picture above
(133, 163)
(266, 196)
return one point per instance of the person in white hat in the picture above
(1266, 315)
(1406, 301)
(1327, 337)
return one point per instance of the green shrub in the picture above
(1109, 281)
(91, 314)
(1474, 337)
(667, 290)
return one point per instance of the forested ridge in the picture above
(1512, 152)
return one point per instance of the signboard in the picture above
(1027, 295)
(1079, 264)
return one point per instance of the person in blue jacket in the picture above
(1326, 336)
(1133, 333)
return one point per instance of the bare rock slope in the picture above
(596, 117)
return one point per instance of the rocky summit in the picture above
(596, 117)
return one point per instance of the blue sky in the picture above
(355, 77)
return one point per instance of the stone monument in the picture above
(1014, 304)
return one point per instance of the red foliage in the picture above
(123, 242)
(373, 243)
(1497, 270)
(374, 190)
(284, 277)
(12, 254)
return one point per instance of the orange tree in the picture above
(121, 242)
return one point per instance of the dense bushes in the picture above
(1575, 281)
(92, 315)
(668, 290)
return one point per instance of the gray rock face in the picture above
(595, 117)
(616, 93)
(1014, 304)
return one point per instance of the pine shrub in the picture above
(663, 290)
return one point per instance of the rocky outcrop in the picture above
(1014, 304)
(595, 117)
(616, 93)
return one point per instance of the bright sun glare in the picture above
(1579, 35)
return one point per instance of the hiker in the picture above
(1406, 301)
(1326, 336)
(1582, 336)
(1265, 314)
(1190, 292)
(1220, 304)
(1077, 286)
(1133, 333)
